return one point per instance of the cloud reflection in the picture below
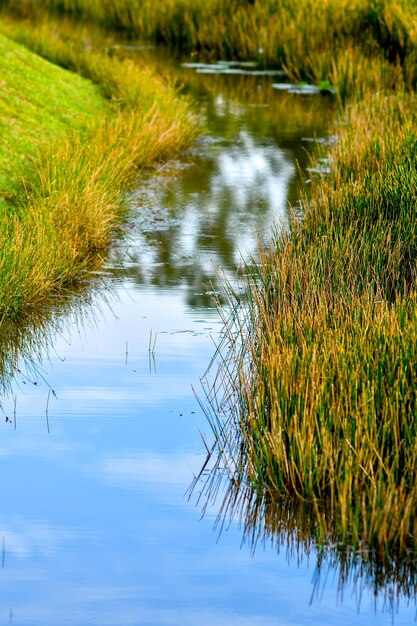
(195, 223)
(25, 539)
(160, 469)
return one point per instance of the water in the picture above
(101, 434)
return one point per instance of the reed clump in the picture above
(61, 203)
(324, 365)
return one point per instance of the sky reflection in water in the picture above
(95, 524)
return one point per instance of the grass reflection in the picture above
(312, 531)
(24, 346)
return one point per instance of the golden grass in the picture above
(306, 37)
(322, 372)
(70, 204)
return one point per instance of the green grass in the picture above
(38, 102)
(71, 148)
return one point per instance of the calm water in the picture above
(102, 434)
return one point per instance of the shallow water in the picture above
(102, 438)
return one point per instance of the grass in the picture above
(38, 101)
(320, 378)
(71, 148)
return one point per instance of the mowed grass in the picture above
(70, 148)
(37, 102)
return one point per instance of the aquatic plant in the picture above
(318, 381)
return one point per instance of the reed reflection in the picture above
(305, 530)
(28, 343)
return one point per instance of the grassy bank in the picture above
(71, 147)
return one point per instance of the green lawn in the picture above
(39, 101)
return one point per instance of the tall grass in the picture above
(320, 381)
(69, 202)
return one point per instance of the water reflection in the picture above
(24, 346)
(241, 180)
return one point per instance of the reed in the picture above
(320, 372)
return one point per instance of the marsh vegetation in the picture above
(311, 40)
(323, 366)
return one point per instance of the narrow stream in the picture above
(101, 432)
